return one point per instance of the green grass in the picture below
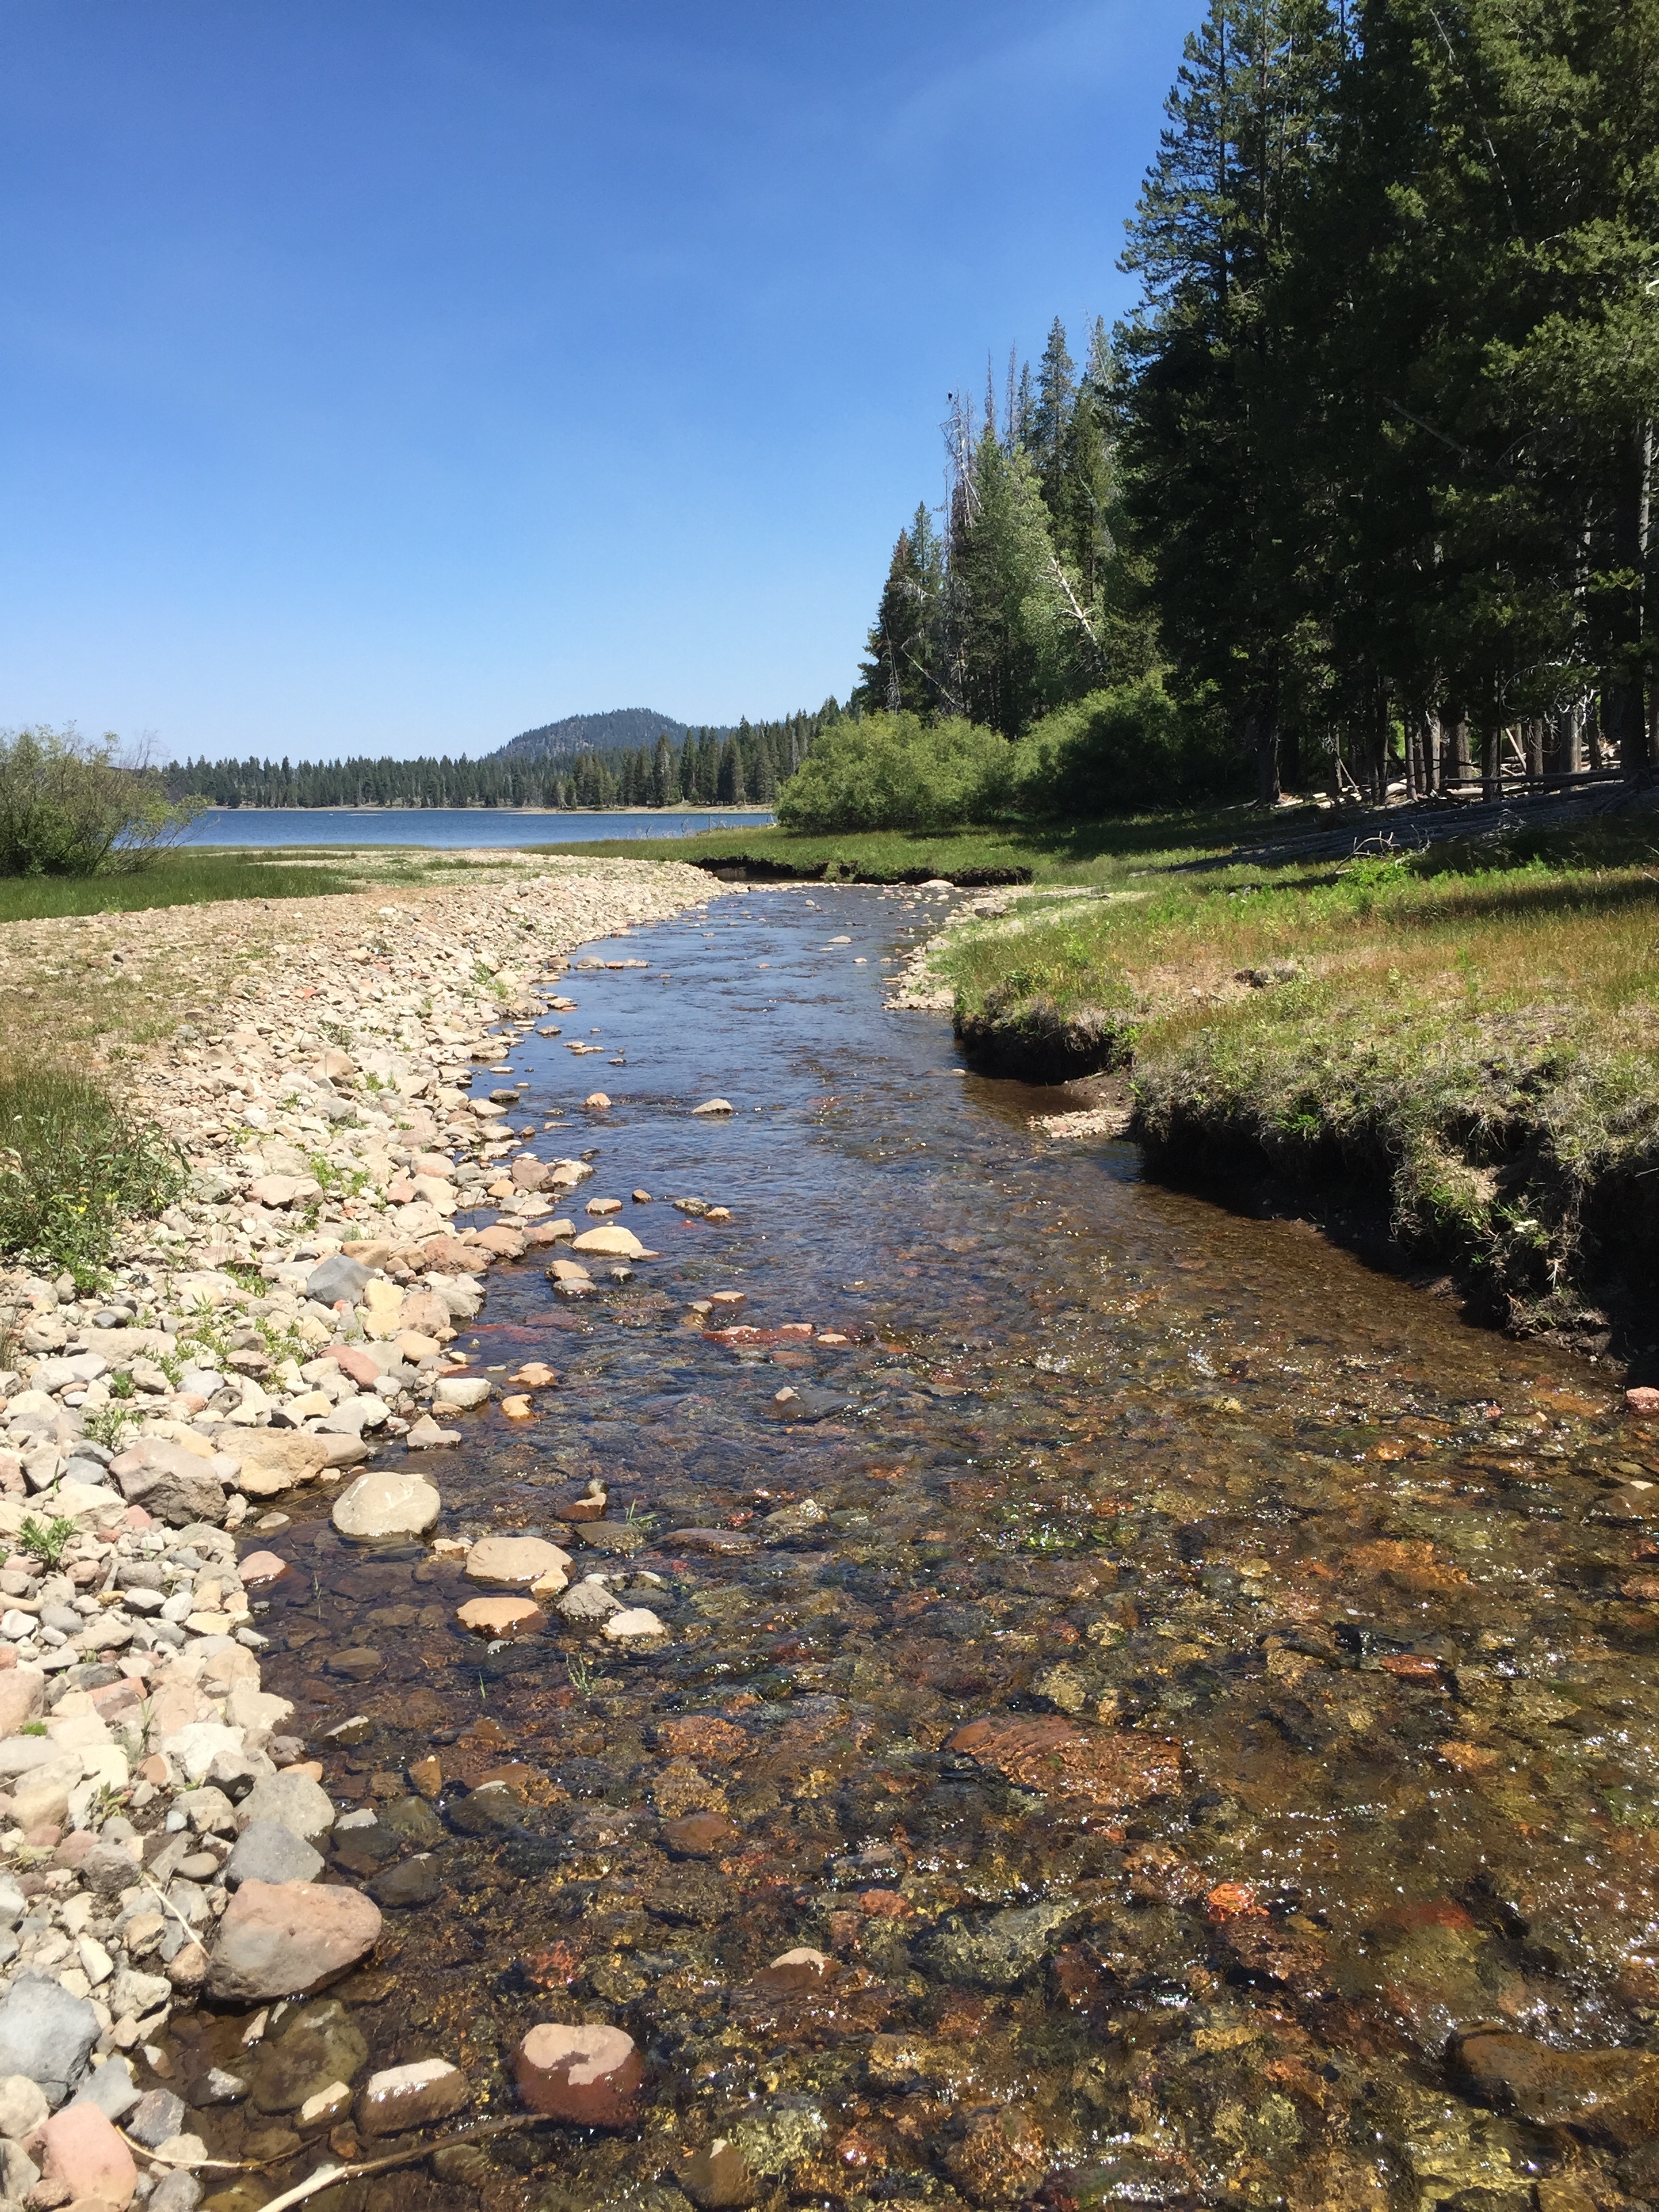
(74, 1164)
(1472, 1034)
(178, 879)
(1058, 852)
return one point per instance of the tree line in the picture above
(1365, 481)
(709, 768)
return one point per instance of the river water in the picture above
(1312, 1632)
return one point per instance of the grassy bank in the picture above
(178, 879)
(1470, 1037)
(1055, 853)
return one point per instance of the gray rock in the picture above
(267, 1850)
(46, 2033)
(291, 1801)
(216, 2087)
(337, 1278)
(18, 2170)
(170, 1483)
(415, 1882)
(998, 1952)
(413, 1820)
(175, 2192)
(107, 1869)
(111, 2088)
(156, 2117)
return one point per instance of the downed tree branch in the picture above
(326, 2176)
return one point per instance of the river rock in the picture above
(46, 2033)
(291, 1799)
(633, 1622)
(260, 1567)
(157, 2116)
(714, 1106)
(336, 1278)
(414, 2096)
(287, 1939)
(22, 2106)
(997, 1953)
(312, 2048)
(589, 1600)
(22, 1692)
(272, 1461)
(172, 1484)
(82, 2151)
(518, 1559)
(1611, 2096)
(112, 2088)
(413, 1882)
(718, 2177)
(386, 1502)
(499, 1616)
(1043, 1752)
(460, 1393)
(267, 1850)
(611, 1240)
(588, 2076)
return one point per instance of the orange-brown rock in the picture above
(1041, 1751)
(499, 1616)
(703, 1736)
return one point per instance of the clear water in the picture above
(1315, 1630)
(448, 826)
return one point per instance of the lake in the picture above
(444, 825)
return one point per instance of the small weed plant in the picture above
(73, 1165)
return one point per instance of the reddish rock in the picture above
(351, 1360)
(699, 1834)
(719, 2177)
(702, 1735)
(262, 1567)
(1043, 1752)
(588, 2076)
(1644, 1398)
(288, 1938)
(499, 1616)
(80, 2151)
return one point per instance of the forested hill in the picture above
(621, 730)
(702, 767)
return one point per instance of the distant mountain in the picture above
(624, 728)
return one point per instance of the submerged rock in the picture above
(588, 2076)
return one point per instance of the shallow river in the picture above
(1313, 1632)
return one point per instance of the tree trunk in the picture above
(1624, 714)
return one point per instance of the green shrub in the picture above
(1120, 749)
(70, 806)
(898, 772)
(73, 1166)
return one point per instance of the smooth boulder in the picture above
(287, 1939)
(385, 1502)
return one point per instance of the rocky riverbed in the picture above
(351, 1181)
(952, 1676)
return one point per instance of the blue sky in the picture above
(389, 375)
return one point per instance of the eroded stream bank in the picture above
(1196, 1695)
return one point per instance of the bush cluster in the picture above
(71, 806)
(1113, 751)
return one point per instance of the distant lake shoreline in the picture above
(457, 826)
